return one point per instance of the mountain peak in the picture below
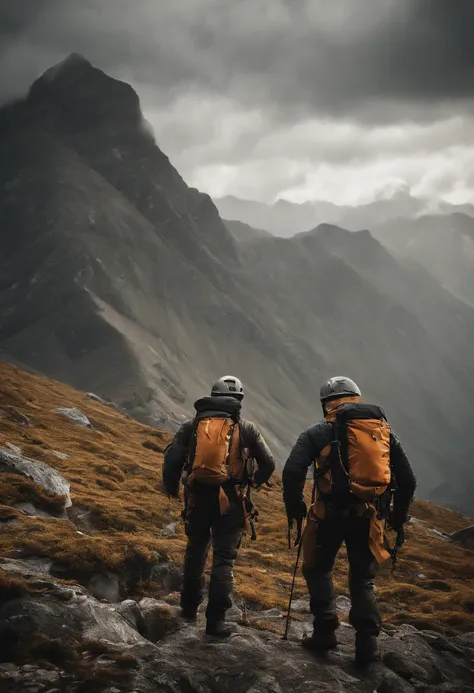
(73, 63)
(80, 92)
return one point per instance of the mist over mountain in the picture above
(117, 277)
(286, 219)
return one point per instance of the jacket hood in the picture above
(218, 405)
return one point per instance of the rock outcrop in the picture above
(146, 648)
(41, 473)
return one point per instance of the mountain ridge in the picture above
(286, 219)
(120, 279)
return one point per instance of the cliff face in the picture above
(117, 277)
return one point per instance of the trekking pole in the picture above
(288, 617)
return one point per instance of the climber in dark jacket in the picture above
(345, 520)
(204, 519)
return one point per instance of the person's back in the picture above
(356, 458)
(215, 451)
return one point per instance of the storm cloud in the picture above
(272, 97)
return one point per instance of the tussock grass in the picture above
(14, 587)
(115, 473)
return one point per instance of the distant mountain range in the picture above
(117, 277)
(442, 244)
(286, 219)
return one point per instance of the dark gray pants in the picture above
(364, 614)
(205, 526)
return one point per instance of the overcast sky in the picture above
(341, 100)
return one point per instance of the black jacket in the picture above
(309, 447)
(176, 456)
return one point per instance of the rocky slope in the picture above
(117, 277)
(89, 578)
(442, 245)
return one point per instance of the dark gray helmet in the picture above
(229, 386)
(339, 386)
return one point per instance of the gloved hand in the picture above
(397, 520)
(296, 510)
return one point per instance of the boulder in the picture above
(105, 586)
(130, 611)
(41, 473)
(169, 575)
(159, 618)
(74, 415)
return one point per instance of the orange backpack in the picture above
(357, 462)
(215, 453)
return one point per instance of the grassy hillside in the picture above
(119, 512)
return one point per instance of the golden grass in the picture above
(14, 586)
(20, 489)
(115, 473)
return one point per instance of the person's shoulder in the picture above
(247, 425)
(187, 423)
(185, 427)
(319, 434)
(321, 427)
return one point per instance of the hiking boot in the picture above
(219, 629)
(188, 614)
(320, 642)
(367, 650)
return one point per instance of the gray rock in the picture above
(301, 606)
(14, 448)
(250, 660)
(234, 614)
(268, 614)
(405, 629)
(41, 473)
(451, 687)
(169, 530)
(27, 566)
(160, 619)
(33, 511)
(100, 400)
(82, 615)
(130, 611)
(74, 415)
(465, 537)
(105, 586)
(172, 598)
(169, 575)
(391, 683)
(343, 604)
(406, 667)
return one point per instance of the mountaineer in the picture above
(214, 454)
(362, 478)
